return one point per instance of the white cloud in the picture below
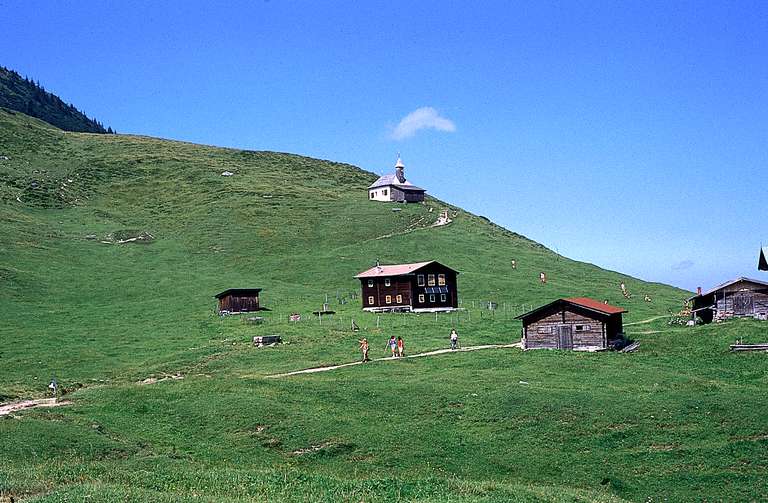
(421, 118)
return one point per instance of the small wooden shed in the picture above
(577, 323)
(239, 300)
(741, 297)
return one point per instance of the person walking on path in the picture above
(364, 349)
(392, 345)
(454, 339)
(400, 347)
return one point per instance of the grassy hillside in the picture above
(298, 227)
(681, 420)
(29, 97)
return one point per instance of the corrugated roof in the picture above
(595, 305)
(392, 270)
(585, 302)
(396, 269)
(391, 179)
(729, 283)
(240, 291)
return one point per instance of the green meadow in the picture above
(682, 419)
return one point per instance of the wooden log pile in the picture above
(749, 347)
(630, 348)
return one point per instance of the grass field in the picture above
(682, 419)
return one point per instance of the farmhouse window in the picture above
(384, 192)
(399, 299)
(370, 283)
(431, 280)
(441, 280)
(421, 298)
(543, 330)
(370, 300)
(386, 282)
(432, 297)
(389, 299)
(420, 279)
(372, 194)
(442, 297)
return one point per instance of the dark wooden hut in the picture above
(575, 323)
(239, 300)
(418, 287)
(741, 297)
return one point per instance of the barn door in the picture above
(565, 339)
(743, 303)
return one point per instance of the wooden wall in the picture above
(738, 300)
(239, 304)
(545, 332)
(452, 297)
(399, 285)
(408, 196)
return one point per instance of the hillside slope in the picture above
(29, 97)
(682, 419)
(300, 228)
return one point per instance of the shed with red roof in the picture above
(418, 287)
(576, 323)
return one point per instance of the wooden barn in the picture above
(419, 287)
(575, 323)
(239, 300)
(741, 297)
(395, 188)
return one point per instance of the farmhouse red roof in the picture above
(595, 305)
(585, 302)
(392, 270)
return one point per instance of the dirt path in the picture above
(390, 359)
(9, 408)
(649, 320)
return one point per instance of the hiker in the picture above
(392, 345)
(454, 339)
(400, 347)
(364, 349)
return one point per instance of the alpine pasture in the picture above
(170, 402)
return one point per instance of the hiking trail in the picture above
(390, 358)
(12, 407)
(649, 320)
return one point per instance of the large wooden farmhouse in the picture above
(574, 323)
(741, 297)
(420, 287)
(395, 188)
(239, 300)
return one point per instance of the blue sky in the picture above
(633, 135)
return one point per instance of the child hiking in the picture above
(364, 349)
(454, 339)
(400, 347)
(392, 345)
